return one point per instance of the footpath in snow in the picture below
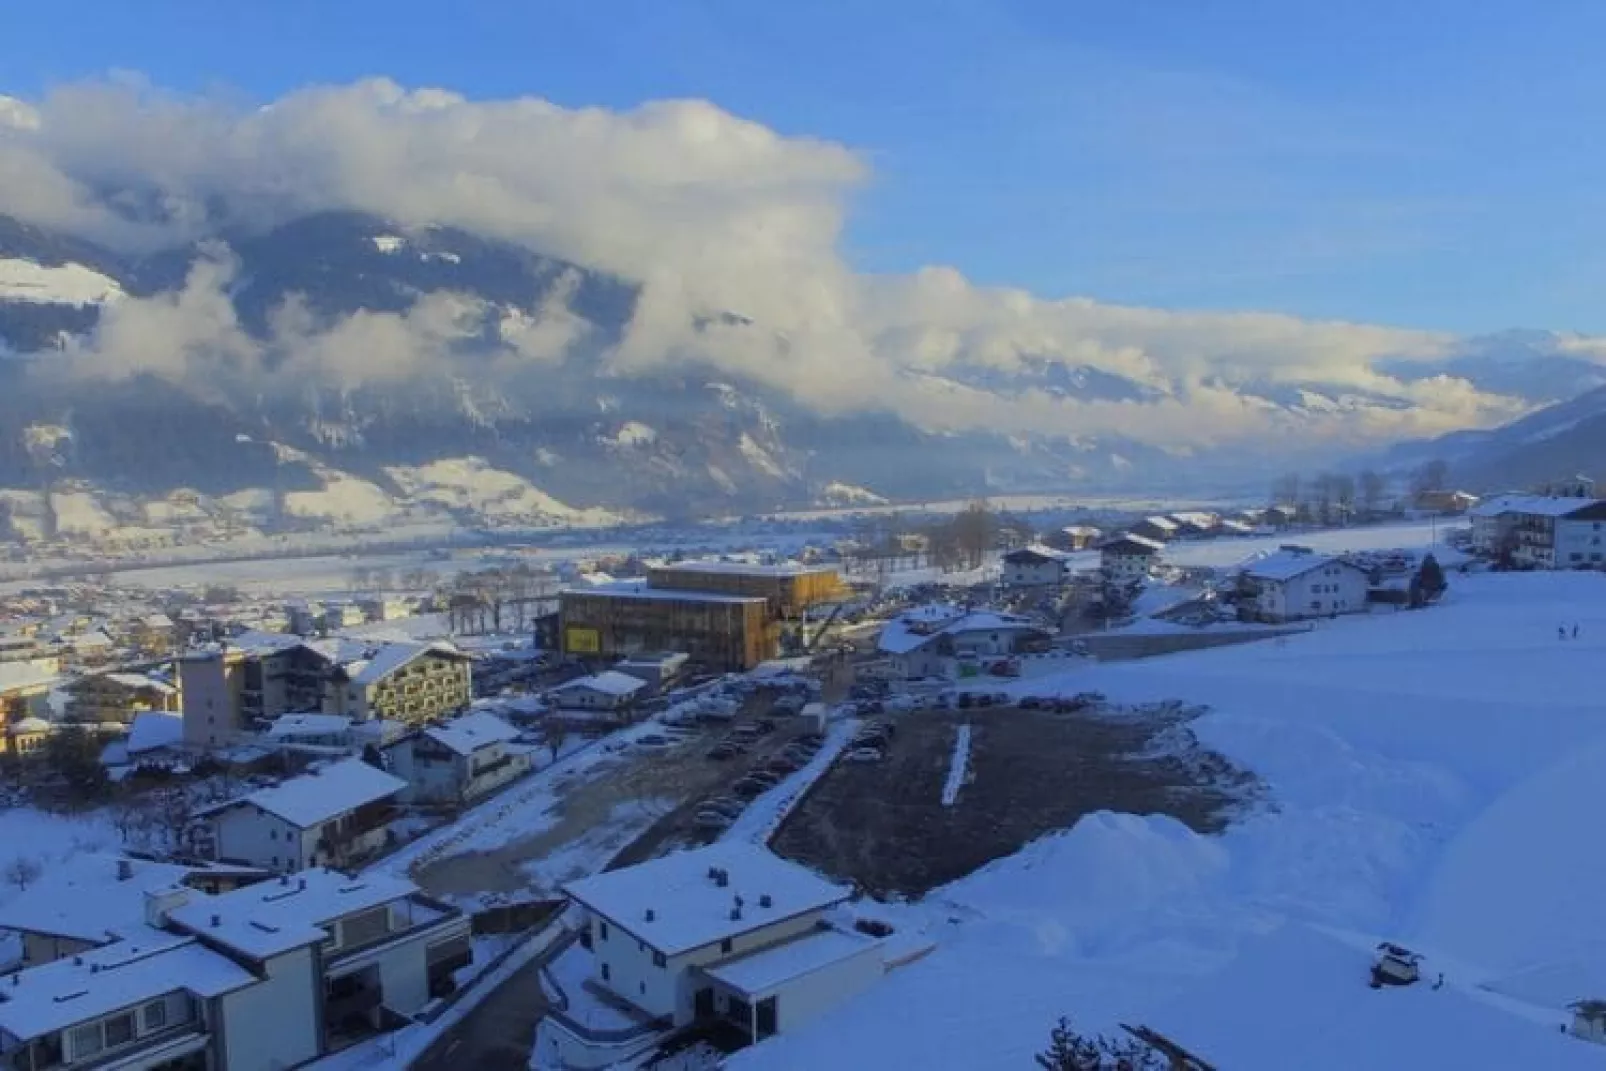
(958, 766)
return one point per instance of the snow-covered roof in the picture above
(155, 729)
(286, 725)
(316, 797)
(691, 909)
(1298, 998)
(31, 725)
(638, 589)
(1534, 505)
(609, 682)
(772, 569)
(920, 626)
(84, 898)
(1288, 564)
(24, 676)
(138, 680)
(157, 620)
(1129, 543)
(275, 916)
(52, 997)
(1162, 523)
(767, 969)
(253, 641)
(1036, 552)
(1196, 519)
(1081, 530)
(471, 732)
(393, 656)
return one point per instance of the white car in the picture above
(864, 754)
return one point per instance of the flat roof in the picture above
(774, 569)
(58, 995)
(273, 917)
(690, 909)
(770, 968)
(637, 589)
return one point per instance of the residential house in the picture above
(728, 933)
(1541, 531)
(1159, 529)
(1073, 537)
(313, 731)
(269, 976)
(88, 900)
(25, 736)
(609, 690)
(935, 640)
(155, 634)
(330, 816)
(117, 697)
(1035, 566)
(1589, 1020)
(1295, 583)
(1128, 557)
(24, 688)
(1196, 524)
(458, 762)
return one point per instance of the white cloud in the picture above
(706, 211)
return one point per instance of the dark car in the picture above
(749, 787)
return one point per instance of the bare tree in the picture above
(1431, 476)
(23, 871)
(1344, 492)
(1285, 490)
(1321, 497)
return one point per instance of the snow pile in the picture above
(634, 433)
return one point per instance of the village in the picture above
(629, 810)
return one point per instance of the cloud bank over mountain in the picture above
(706, 212)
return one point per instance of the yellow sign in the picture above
(582, 641)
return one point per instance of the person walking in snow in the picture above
(1561, 632)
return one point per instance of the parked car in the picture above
(1029, 702)
(724, 750)
(810, 739)
(864, 754)
(724, 804)
(748, 787)
(653, 740)
(784, 764)
(712, 821)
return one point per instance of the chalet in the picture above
(1294, 583)
(729, 933)
(1159, 529)
(929, 641)
(118, 696)
(609, 690)
(1444, 503)
(459, 761)
(1195, 525)
(1129, 556)
(1035, 566)
(1073, 537)
(331, 816)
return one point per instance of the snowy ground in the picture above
(1436, 778)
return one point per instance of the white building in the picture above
(1035, 566)
(330, 816)
(730, 932)
(608, 690)
(460, 761)
(1541, 531)
(928, 641)
(1295, 583)
(1129, 557)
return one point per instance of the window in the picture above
(607, 975)
(602, 930)
(86, 1041)
(725, 946)
(1316, 604)
(1577, 557)
(273, 834)
(660, 960)
(155, 1015)
(119, 1030)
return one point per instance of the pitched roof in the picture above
(308, 725)
(316, 797)
(609, 682)
(471, 732)
(52, 997)
(690, 909)
(1288, 564)
(915, 628)
(154, 729)
(273, 917)
(1036, 552)
(1533, 505)
(1133, 543)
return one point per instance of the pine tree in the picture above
(1069, 1051)
(1431, 577)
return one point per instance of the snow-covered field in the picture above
(1435, 779)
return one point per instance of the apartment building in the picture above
(104, 698)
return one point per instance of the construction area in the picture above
(885, 826)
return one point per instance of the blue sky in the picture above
(1424, 163)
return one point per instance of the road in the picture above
(499, 1034)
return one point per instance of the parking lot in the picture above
(882, 824)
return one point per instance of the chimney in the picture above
(217, 920)
(764, 900)
(125, 869)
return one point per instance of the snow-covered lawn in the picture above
(1435, 778)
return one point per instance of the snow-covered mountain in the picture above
(342, 368)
